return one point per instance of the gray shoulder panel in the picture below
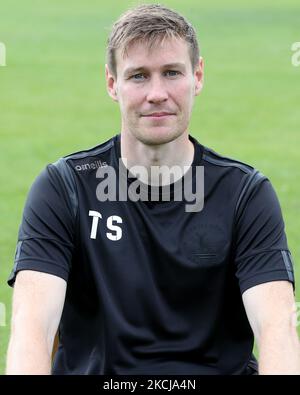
(227, 162)
(255, 177)
(91, 152)
(69, 181)
(252, 176)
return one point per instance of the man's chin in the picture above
(157, 136)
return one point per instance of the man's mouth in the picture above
(158, 114)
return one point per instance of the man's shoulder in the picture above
(87, 159)
(234, 173)
(93, 151)
(238, 176)
(213, 158)
(62, 172)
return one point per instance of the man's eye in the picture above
(172, 73)
(138, 77)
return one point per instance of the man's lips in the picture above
(158, 114)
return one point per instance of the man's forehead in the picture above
(141, 54)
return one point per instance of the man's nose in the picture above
(157, 91)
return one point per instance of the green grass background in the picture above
(53, 99)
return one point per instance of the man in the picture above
(150, 286)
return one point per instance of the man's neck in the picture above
(178, 153)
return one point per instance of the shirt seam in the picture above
(38, 261)
(261, 252)
(45, 238)
(261, 273)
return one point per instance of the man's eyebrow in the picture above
(132, 70)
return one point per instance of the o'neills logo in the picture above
(91, 166)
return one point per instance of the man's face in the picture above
(155, 90)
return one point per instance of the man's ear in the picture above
(199, 76)
(111, 84)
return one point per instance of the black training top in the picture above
(153, 288)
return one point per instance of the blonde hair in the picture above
(150, 24)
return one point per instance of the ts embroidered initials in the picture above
(116, 233)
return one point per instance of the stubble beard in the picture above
(152, 136)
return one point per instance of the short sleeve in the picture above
(261, 249)
(46, 234)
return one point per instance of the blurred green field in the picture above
(53, 99)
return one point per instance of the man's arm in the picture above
(271, 311)
(37, 307)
